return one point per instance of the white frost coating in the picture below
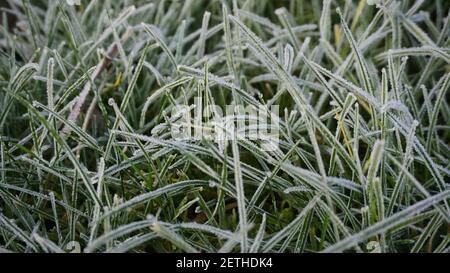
(373, 2)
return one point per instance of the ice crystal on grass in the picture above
(93, 95)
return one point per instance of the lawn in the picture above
(224, 126)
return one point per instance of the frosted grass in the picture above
(87, 155)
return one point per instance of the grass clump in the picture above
(88, 160)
